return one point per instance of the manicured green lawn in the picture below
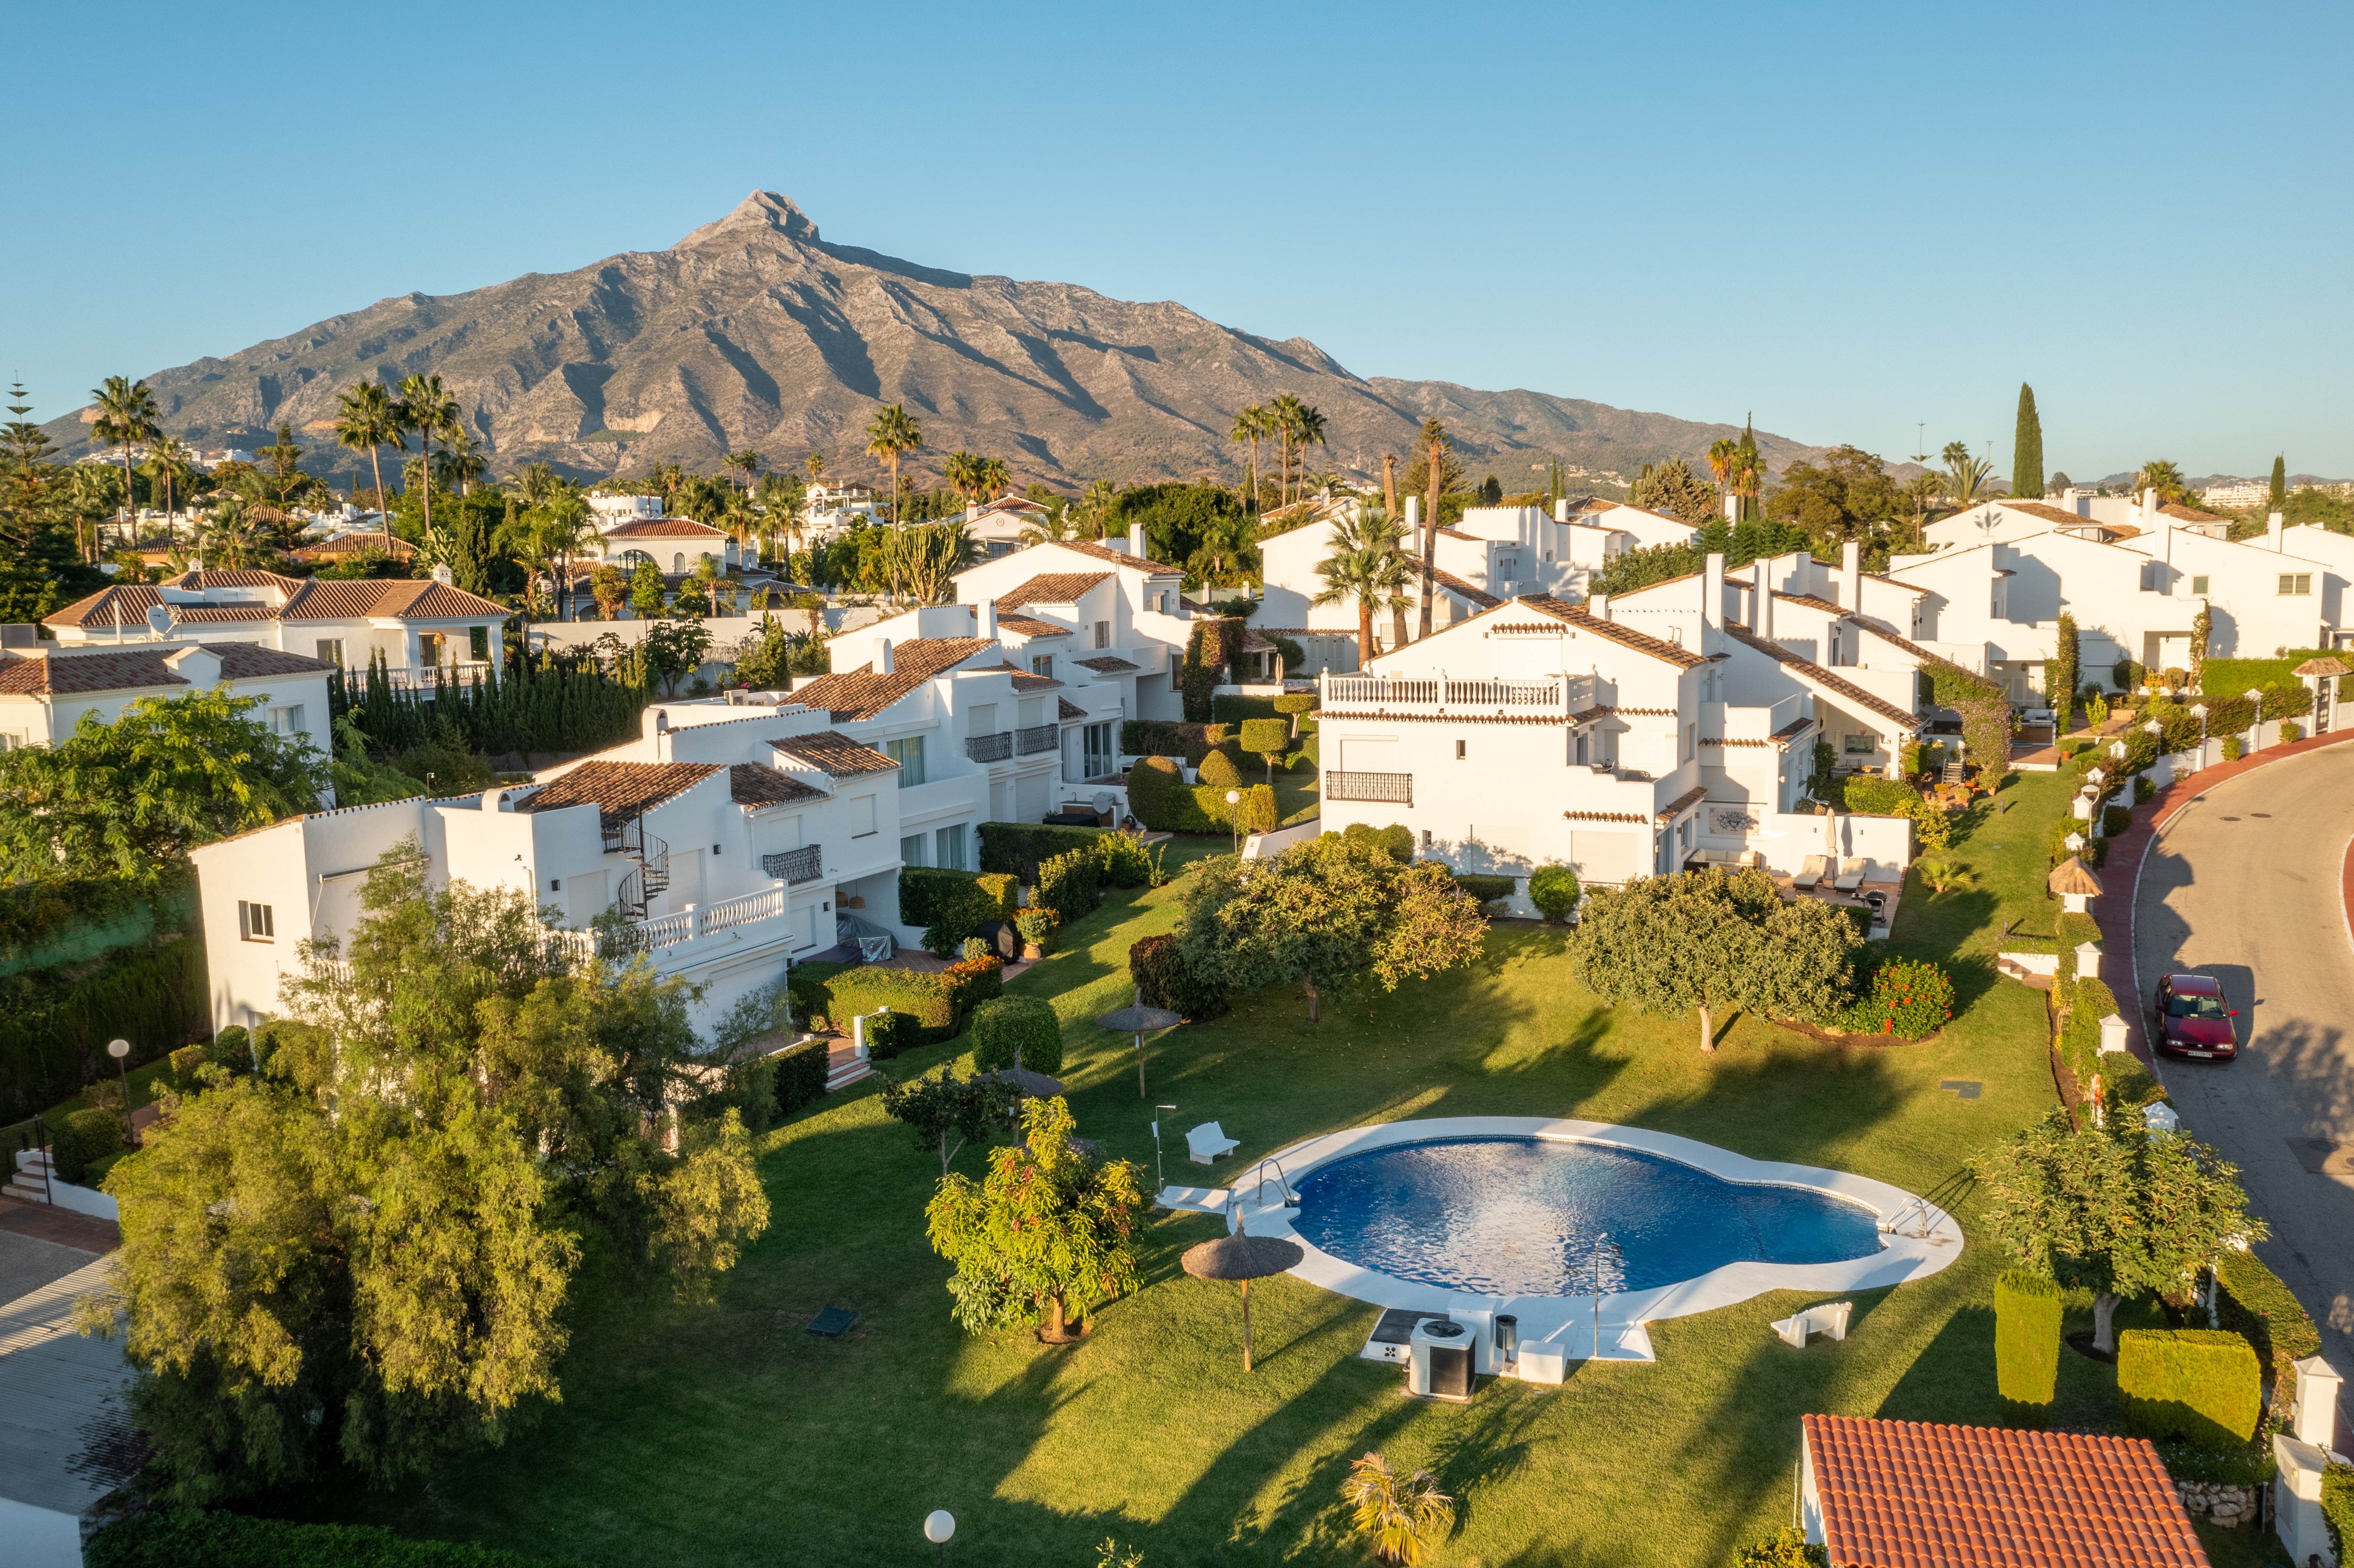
(726, 1434)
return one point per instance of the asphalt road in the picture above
(2244, 885)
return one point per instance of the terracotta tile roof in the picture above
(429, 601)
(1635, 816)
(834, 754)
(2058, 515)
(757, 784)
(1902, 1494)
(357, 544)
(1031, 629)
(2188, 513)
(125, 604)
(241, 576)
(1622, 506)
(1811, 602)
(665, 528)
(1683, 803)
(619, 791)
(861, 694)
(46, 674)
(1464, 590)
(317, 601)
(1116, 558)
(1794, 729)
(1106, 664)
(199, 614)
(1051, 587)
(1847, 691)
(1578, 616)
(1024, 681)
(1067, 710)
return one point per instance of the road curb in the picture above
(2346, 891)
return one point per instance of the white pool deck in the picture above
(1917, 1238)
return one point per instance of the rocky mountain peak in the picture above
(762, 211)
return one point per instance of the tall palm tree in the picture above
(816, 464)
(1098, 505)
(957, 468)
(1723, 454)
(1439, 465)
(234, 538)
(1366, 565)
(1283, 424)
(463, 463)
(991, 479)
(126, 416)
(667, 477)
(893, 434)
(168, 464)
(429, 410)
(368, 417)
(1308, 430)
(745, 465)
(1250, 423)
(2163, 476)
(91, 493)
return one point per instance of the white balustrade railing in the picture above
(743, 911)
(1439, 691)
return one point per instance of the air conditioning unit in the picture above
(1438, 1365)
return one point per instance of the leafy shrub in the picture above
(1163, 801)
(2115, 820)
(54, 1028)
(801, 1075)
(1907, 998)
(1786, 1547)
(2338, 1506)
(1160, 737)
(2125, 675)
(981, 978)
(1218, 771)
(1912, 759)
(808, 985)
(2202, 1384)
(2143, 787)
(1483, 887)
(2026, 1309)
(183, 1537)
(1004, 891)
(1293, 704)
(1017, 849)
(927, 894)
(2253, 1301)
(1124, 863)
(1397, 839)
(928, 1001)
(231, 1048)
(1163, 981)
(1255, 812)
(185, 1062)
(80, 1138)
(1037, 925)
(1554, 890)
(2292, 732)
(1869, 797)
(2232, 748)
(1233, 709)
(1302, 760)
(889, 1033)
(1266, 737)
(975, 947)
(1017, 1030)
(1068, 883)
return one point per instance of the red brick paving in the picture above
(43, 1223)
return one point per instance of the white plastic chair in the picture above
(1209, 1142)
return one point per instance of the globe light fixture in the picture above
(120, 1051)
(938, 1525)
(1235, 817)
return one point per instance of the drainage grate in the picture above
(1966, 1088)
(833, 1322)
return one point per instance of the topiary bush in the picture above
(80, 1138)
(1163, 801)
(927, 1001)
(1017, 1031)
(1163, 981)
(1256, 811)
(1907, 998)
(1218, 771)
(2115, 820)
(800, 1077)
(1004, 891)
(979, 979)
(1291, 705)
(1397, 839)
(1483, 887)
(2201, 1384)
(185, 1062)
(889, 1033)
(1068, 883)
(1267, 738)
(2253, 1301)
(2027, 1312)
(1554, 890)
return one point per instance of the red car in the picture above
(2192, 1021)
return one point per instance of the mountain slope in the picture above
(753, 332)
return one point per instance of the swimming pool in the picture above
(1534, 1216)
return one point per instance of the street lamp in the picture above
(2255, 725)
(938, 1525)
(120, 1051)
(2198, 712)
(1235, 817)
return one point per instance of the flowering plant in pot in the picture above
(1036, 925)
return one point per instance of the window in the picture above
(1103, 633)
(948, 848)
(1691, 742)
(2297, 582)
(478, 642)
(1856, 745)
(253, 923)
(982, 719)
(862, 817)
(1095, 741)
(1458, 750)
(331, 651)
(1042, 663)
(556, 884)
(287, 720)
(909, 755)
(2198, 585)
(911, 850)
(432, 648)
(678, 562)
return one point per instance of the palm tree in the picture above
(667, 477)
(1965, 478)
(1098, 505)
(1229, 553)
(463, 463)
(744, 465)
(892, 434)
(234, 538)
(1051, 526)
(1402, 1516)
(991, 479)
(2161, 475)
(167, 464)
(126, 416)
(1925, 488)
(1367, 565)
(1250, 424)
(1438, 465)
(958, 468)
(1723, 454)
(369, 419)
(534, 483)
(1283, 418)
(91, 493)
(816, 464)
(429, 410)
(1308, 430)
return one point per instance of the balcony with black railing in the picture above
(796, 866)
(995, 747)
(1393, 788)
(1037, 739)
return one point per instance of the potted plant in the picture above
(1036, 925)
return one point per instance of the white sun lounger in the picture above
(1193, 1200)
(1811, 872)
(1850, 876)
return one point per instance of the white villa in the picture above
(46, 688)
(1111, 615)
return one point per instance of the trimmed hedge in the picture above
(1163, 801)
(1554, 890)
(1218, 771)
(1163, 738)
(1869, 797)
(79, 1139)
(1163, 981)
(928, 1002)
(1234, 708)
(2337, 1506)
(1266, 737)
(1017, 849)
(800, 1077)
(1483, 887)
(1908, 999)
(2202, 1384)
(2027, 1312)
(1004, 891)
(927, 893)
(1017, 1030)
(2115, 820)
(185, 1539)
(2253, 1301)
(1068, 884)
(1397, 839)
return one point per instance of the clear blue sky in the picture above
(1848, 219)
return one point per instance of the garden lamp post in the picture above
(1159, 1177)
(2255, 725)
(2198, 712)
(938, 1525)
(1235, 817)
(120, 1051)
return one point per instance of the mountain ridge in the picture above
(753, 330)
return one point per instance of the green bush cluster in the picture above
(1017, 1030)
(1218, 770)
(1554, 890)
(2291, 732)
(53, 1030)
(2080, 1037)
(79, 1140)
(1016, 849)
(2145, 787)
(182, 1538)
(926, 893)
(2027, 1312)
(1909, 999)
(928, 1002)
(1397, 839)
(1786, 1547)
(1233, 708)
(1164, 802)
(2232, 748)
(543, 705)
(1867, 796)
(2200, 1384)
(2115, 820)
(2253, 1301)
(1163, 738)
(2338, 1506)
(1163, 981)
(1482, 887)
(800, 1074)
(1068, 884)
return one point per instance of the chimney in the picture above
(883, 664)
(1851, 577)
(1412, 511)
(973, 512)
(987, 618)
(1712, 598)
(1561, 510)
(1762, 623)
(1136, 540)
(1598, 607)
(493, 796)
(2272, 531)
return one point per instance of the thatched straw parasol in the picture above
(1139, 1021)
(2073, 876)
(1027, 1084)
(1242, 1257)
(2322, 666)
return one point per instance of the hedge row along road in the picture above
(2245, 884)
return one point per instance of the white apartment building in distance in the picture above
(46, 688)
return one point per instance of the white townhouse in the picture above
(1122, 614)
(46, 688)
(1545, 732)
(996, 525)
(672, 545)
(730, 838)
(413, 625)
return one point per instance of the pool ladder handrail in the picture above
(1282, 1185)
(1919, 1206)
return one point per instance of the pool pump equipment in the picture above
(1438, 1364)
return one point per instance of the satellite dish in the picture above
(1103, 802)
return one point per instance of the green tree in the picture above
(743, 466)
(891, 435)
(170, 467)
(1045, 1235)
(2113, 1209)
(1250, 425)
(126, 417)
(2161, 475)
(129, 800)
(1966, 477)
(1365, 563)
(1846, 496)
(2280, 480)
(2027, 448)
(944, 1107)
(1401, 1517)
(1672, 488)
(1327, 916)
(647, 597)
(674, 650)
(427, 408)
(1707, 941)
(284, 476)
(363, 1251)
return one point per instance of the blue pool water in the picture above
(1527, 1216)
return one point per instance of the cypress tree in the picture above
(2280, 480)
(2027, 449)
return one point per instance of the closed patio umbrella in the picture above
(1139, 1021)
(1243, 1258)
